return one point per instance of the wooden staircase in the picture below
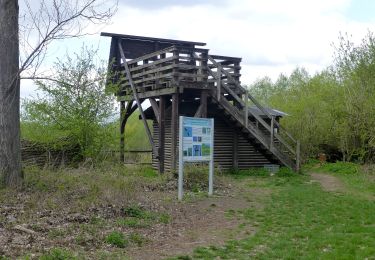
(234, 100)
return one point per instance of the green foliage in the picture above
(285, 172)
(334, 107)
(72, 108)
(117, 239)
(57, 254)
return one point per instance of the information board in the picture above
(196, 144)
(197, 139)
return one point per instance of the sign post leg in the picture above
(211, 173)
(180, 180)
(211, 178)
(180, 163)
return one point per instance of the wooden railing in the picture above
(237, 100)
(167, 68)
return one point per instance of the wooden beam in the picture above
(203, 102)
(198, 112)
(159, 92)
(247, 110)
(202, 109)
(235, 150)
(136, 96)
(218, 78)
(174, 130)
(156, 109)
(162, 101)
(122, 131)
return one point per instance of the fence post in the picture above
(272, 131)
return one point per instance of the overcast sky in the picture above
(272, 36)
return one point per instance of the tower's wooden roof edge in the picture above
(150, 39)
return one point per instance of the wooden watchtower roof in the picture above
(182, 78)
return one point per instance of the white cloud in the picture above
(271, 36)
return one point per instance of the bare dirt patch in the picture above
(328, 182)
(197, 221)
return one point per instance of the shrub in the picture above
(57, 254)
(117, 239)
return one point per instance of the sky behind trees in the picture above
(271, 36)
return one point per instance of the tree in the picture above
(54, 20)
(10, 158)
(76, 104)
(355, 70)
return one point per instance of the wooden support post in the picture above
(246, 109)
(204, 68)
(174, 129)
(235, 150)
(122, 131)
(203, 112)
(155, 108)
(218, 81)
(272, 131)
(298, 156)
(161, 136)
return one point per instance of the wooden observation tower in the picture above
(182, 78)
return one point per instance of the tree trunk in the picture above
(10, 152)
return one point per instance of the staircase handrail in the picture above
(294, 152)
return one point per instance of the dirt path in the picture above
(328, 182)
(201, 223)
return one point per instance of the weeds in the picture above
(117, 239)
(136, 217)
(138, 239)
(58, 254)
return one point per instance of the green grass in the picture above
(57, 254)
(300, 221)
(340, 168)
(117, 239)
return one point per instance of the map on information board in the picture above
(197, 138)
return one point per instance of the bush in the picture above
(285, 172)
(57, 254)
(74, 107)
(117, 239)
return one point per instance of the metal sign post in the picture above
(196, 144)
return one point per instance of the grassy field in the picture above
(116, 212)
(299, 220)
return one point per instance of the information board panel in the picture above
(196, 144)
(197, 138)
